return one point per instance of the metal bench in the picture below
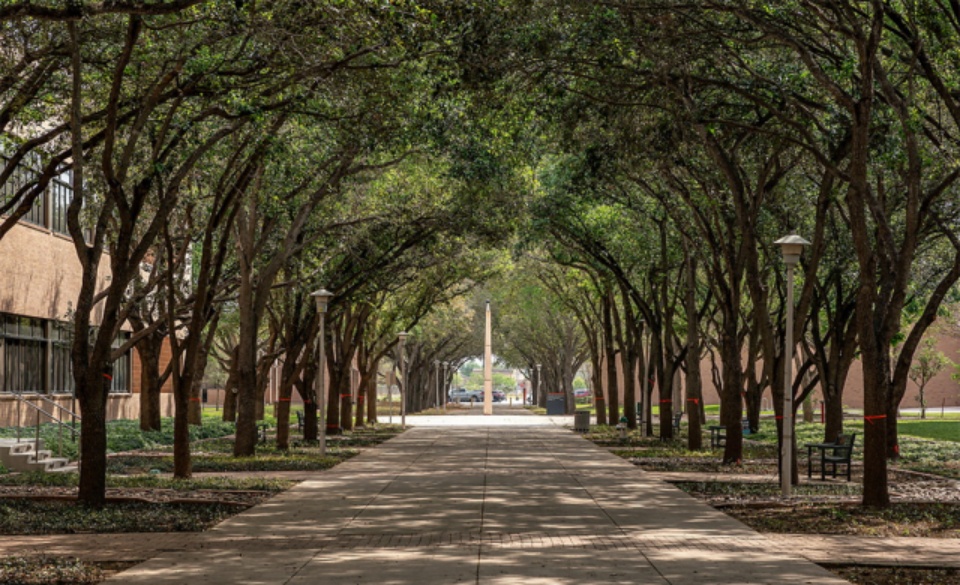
(832, 454)
(718, 433)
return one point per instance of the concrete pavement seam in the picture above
(614, 522)
(483, 501)
(366, 506)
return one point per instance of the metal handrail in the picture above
(60, 424)
(63, 409)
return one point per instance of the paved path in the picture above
(486, 504)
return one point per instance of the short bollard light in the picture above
(622, 428)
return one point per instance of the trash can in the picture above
(556, 404)
(581, 421)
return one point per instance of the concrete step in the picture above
(21, 446)
(51, 464)
(41, 455)
(21, 456)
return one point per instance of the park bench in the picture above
(641, 424)
(837, 453)
(718, 433)
(262, 432)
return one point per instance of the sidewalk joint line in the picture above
(483, 502)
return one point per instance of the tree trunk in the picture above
(361, 403)
(694, 389)
(283, 419)
(230, 390)
(666, 390)
(807, 410)
(182, 464)
(149, 384)
(596, 381)
(245, 443)
(306, 387)
(832, 415)
(754, 402)
(372, 393)
(730, 401)
(346, 401)
(195, 402)
(93, 429)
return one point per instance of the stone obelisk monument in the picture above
(487, 367)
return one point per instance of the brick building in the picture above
(41, 278)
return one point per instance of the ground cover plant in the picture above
(898, 575)
(153, 481)
(735, 490)
(931, 520)
(48, 570)
(292, 460)
(27, 516)
(122, 435)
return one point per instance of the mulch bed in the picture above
(897, 575)
(930, 520)
(240, 498)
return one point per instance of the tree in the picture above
(928, 363)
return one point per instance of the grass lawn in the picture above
(939, 430)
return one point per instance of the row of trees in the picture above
(227, 158)
(385, 152)
(688, 137)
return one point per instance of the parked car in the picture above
(464, 395)
(581, 393)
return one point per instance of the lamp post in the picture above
(446, 385)
(538, 388)
(436, 369)
(402, 336)
(322, 298)
(487, 366)
(791, 246)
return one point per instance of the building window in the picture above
(60, 195)
(23, 350)
(56, 198)
(61, 371)
(121, 367)
(35, 357)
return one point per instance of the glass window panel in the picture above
(121, 367)
(60, 195)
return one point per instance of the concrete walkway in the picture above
(481, 504)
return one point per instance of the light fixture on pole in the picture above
(322, 298)
(791, 246)
(402, 336)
